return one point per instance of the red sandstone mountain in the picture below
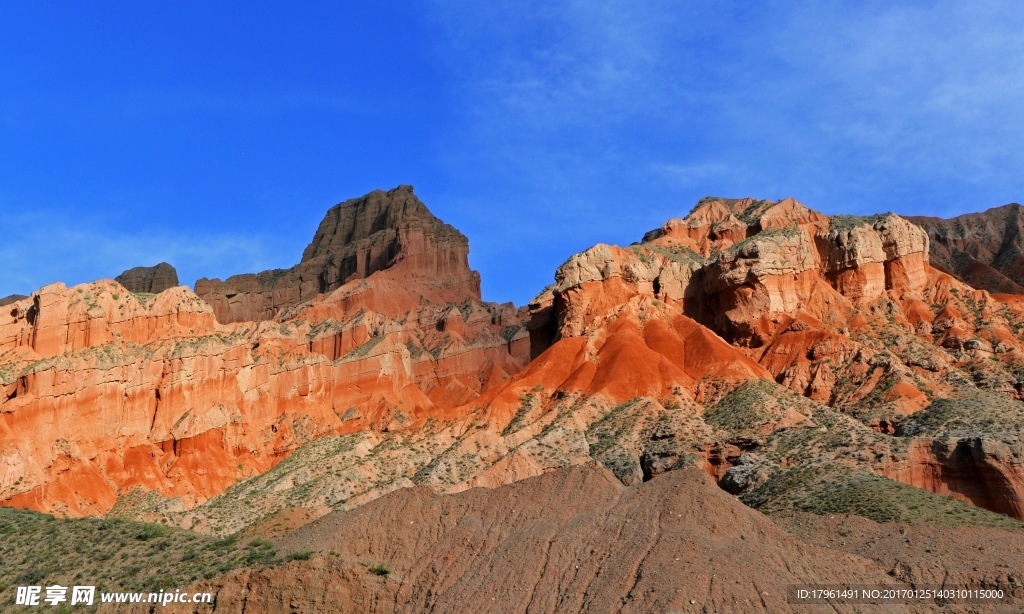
(125, 393)
(105, 391)
(844, 311)
(801, 361)
(381, 231)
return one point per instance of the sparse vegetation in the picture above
(971, 412)
(837, 489)
(847, 222)
(113, 553)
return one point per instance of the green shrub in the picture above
(151, 531)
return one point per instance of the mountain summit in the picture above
(357, 238)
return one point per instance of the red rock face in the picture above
(846, 311)
(982, 471)
(105, 391)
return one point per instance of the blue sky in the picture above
(215, 135)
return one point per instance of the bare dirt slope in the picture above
(574, 540)
(919, 554)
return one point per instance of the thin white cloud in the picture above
(78, 251)
(691, 174)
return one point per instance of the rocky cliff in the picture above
(845, 311)
(381, 231)
(151, 279)
(984, 250)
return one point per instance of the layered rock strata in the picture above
(105, 391)
(844, 310)
(645, 358)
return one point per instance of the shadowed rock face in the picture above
(357, 238)
(985, 250)
(152, 279)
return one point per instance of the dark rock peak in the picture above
(1000, 213)
(11, 298)
(356, 239)
(985, 250)
(377, 217)
(154, 279)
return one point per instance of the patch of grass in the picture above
(678, 253)
(260, 552)
(743, 409)
(847, 222)
(972, 412)
(527, 403)
(113, 553)
(363, 349)
(152, 531)
(608, 430)
(380, 570)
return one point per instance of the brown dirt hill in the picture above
(984, 250)
(380, 231)
(574, 540)
(921, 555)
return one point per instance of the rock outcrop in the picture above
(984, 250)
(390, 230)
(844, 310)
(151, 279)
